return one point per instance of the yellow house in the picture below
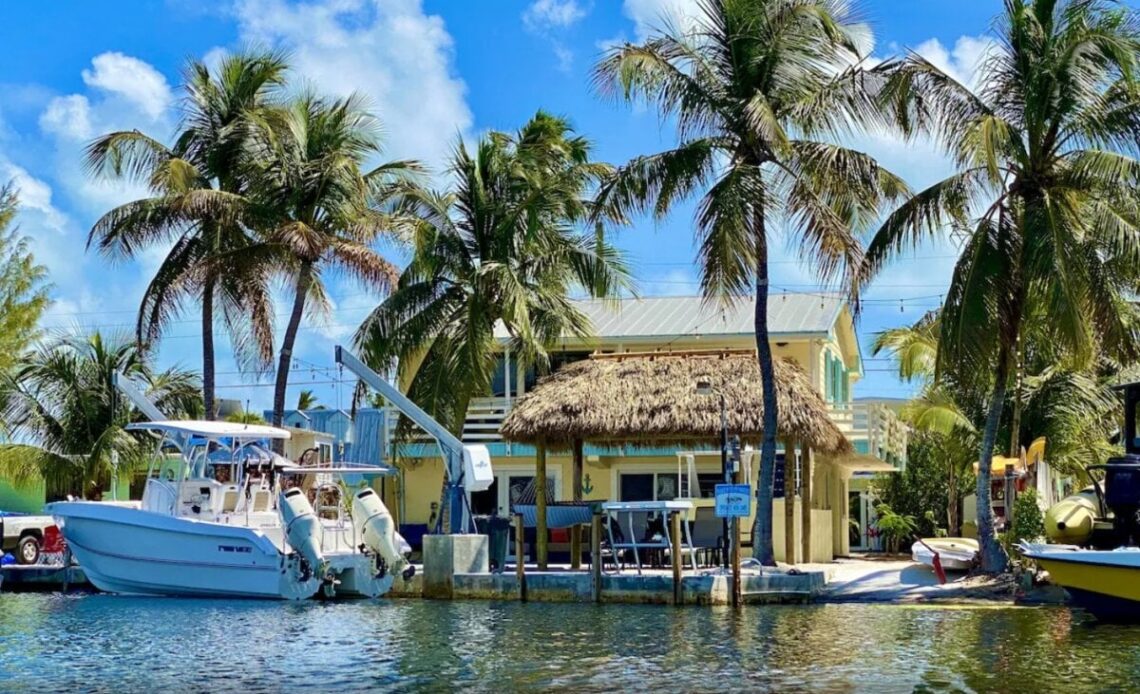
(817, 332)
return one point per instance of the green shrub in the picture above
(894, 528)
(1028, 522)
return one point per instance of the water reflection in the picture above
(104, 642)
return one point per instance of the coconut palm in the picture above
(752, 89)
(504, 244)
(1043, 194)
(307, 400)
(326, 211)
(60, 404)
(198, 205)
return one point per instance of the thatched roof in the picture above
(652, 400)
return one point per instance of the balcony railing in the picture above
(884, 434)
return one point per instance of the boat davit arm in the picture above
(137, 397)
(466, 468)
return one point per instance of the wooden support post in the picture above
(737, 591)
(576, 531)
(1010, 494)
(596, 554)
(675, 534)
(790, 502)
(520, 556)
(540, 504)
(805, 500)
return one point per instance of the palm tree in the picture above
(1043, 195)
(752, 89)
(61, 404)
(306, 400)
(937, 410)
(199, 186)
(326, 212)
(502, 245)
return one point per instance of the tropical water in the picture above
(106, 643)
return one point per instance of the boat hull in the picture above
(955, 554)
(125, 550)
(1106, 583)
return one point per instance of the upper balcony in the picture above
(873, 429)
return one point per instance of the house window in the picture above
(639, 487)
(662, 486)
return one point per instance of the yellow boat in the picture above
(1104, 582)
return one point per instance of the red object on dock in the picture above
(53, 540)
(938, 570)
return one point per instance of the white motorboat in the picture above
(222, 516)
(954, 553)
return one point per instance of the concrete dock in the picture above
(651, 587)
(49, 577)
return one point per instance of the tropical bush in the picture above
(894, 528)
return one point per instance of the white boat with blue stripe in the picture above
(222, 516)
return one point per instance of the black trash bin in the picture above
(498, 531)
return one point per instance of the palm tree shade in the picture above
(198, 206)
(1043, 195)
(60, 400)
(324, 211)
(503, 245)
(753, 88)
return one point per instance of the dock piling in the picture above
(596, 555)
(520, 557)
(675, 535)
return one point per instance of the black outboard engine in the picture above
(1122, 496)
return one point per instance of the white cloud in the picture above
(68, 117)
(390, 50)
(124, 93)
(137, 81)
(651, 15)
(34, 195)
(552, 14)
(963, 62)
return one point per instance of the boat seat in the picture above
(260, 500)
(230, 498)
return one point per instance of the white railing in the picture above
(885, 433)
(484, 416)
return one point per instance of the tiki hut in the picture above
(649, 400)
(652, 399)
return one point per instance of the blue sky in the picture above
(435, 71)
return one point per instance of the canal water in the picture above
(99, 642)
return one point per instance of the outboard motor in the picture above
(1122, 496)
(302, 527)
(377, 529)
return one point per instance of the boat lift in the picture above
(466, 468)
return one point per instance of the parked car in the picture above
(26, 536)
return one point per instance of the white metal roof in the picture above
(214, 429)
(671, 316)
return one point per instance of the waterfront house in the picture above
(814, 332)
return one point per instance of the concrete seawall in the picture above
(555, 586)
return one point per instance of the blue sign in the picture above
(733, 500)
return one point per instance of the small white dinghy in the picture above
(954, 553)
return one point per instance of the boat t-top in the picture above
(221, 515)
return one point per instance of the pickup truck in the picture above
(26, 536)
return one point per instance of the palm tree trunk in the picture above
(993, 555)
(304, 279)
(952, 504)
(762, 525)
(1015, 426)
(208, 383)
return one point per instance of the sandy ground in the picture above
(857, 580)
